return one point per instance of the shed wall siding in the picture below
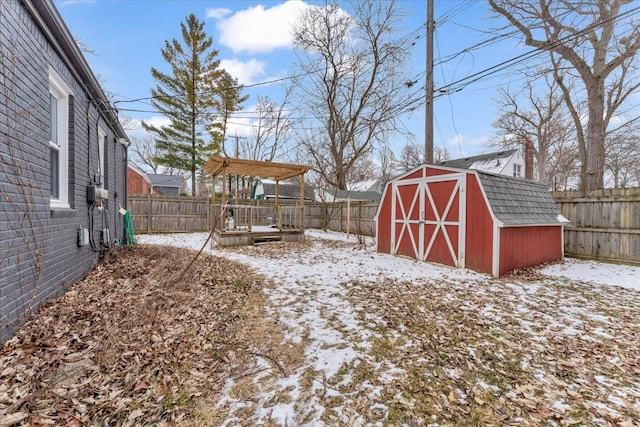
(522, 247)
(479, 237)
(383, 223)
(39, 256)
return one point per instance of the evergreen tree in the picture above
(228, 100)
(188, 95)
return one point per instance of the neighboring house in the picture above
(369, 190)
(62, 162)
(265, 189)
(137, 181)
(375, 185)
(335, 195)
(169, 185)
(508, 163)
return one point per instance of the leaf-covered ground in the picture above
(138, 343)
(323, 332)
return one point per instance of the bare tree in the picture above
(411, 156)
(440, 154)
(352, 88)
(388, 163)
(268, 132)
(536, 113)
(600, 49)
(144, 152)
(623, 160)
(362, 170)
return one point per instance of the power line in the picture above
(525, 56)
(413, 100)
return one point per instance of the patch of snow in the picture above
(486, 386)
(491, 166)
(601, 333)
(603, 380)
(616, 400)
(561, 407)
(310, 301)
(600, 273)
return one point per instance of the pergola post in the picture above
(277, 204)
(224, 186)
(301, 202)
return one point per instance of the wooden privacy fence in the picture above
(347, 216)
(605, 224)
(157, 213)
(163, 214)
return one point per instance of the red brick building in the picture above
(137, 181)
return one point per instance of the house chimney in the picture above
(528, 159)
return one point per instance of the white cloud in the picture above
(134, 127)
(217, 13)
(462, 146)
(257, 29)
(237, 126)
(158, 121)
(245, 72)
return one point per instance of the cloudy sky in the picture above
(254, 43)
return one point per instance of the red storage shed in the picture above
(469, 219)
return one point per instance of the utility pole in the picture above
(428, 108)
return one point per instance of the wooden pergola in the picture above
(217, 165)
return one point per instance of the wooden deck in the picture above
(248, 225)
(256, 235)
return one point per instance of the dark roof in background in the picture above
(355, 195)
(288, 190)
(466, 162)
(53, 26)
(159, 180)
(517, 201)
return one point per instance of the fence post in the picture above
(208, 218)
(149, 213)
(348, 216)
(325, 214)
(359, 217)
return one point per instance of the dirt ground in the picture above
(144, 340)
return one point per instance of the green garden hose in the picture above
(129, 238)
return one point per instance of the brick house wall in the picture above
(136, 183)
(39, 252)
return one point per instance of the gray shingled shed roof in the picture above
(517, 201)
(466, 162)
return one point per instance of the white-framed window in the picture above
(59, 94)
(102, 136)
(517, 170)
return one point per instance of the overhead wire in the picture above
(528, 55)
(451, 109)
(447, 89)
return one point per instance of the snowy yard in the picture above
(328, 332)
